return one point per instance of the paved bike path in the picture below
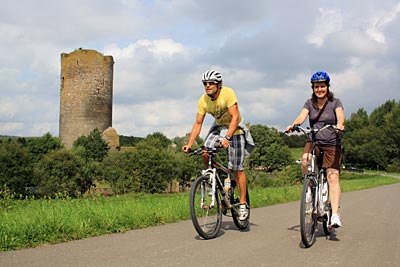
(370, 237)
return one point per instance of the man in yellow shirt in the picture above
(222, 104)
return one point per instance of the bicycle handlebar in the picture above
(209, 150)
(298, 128)
(307, 130)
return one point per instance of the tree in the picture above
(129, 140)
(92, 147)
(156, 167)
(187, 167)
(357, 120)
(377, 117)
(392, 133)
(149, 167)
(60, 171)
(15, 167)
(270, 150)
(374, 142)
(38, 147)
(294, 140)
(121, 170)
(157, 139)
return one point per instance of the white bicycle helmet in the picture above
(212, 75)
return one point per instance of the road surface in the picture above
(370, 236)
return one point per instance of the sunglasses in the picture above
(209, 83)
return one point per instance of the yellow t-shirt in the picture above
(219, 107)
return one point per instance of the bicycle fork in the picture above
(211, 173)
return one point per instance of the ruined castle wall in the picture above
(85, 94)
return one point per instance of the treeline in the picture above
(373, 142)
(42, 167)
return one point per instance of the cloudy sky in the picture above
(266, 51)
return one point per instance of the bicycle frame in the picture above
(316, 172)
(215, 180)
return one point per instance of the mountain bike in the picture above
(314, 205)
(209, 200)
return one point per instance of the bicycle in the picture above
(209, 200)
(314, 205)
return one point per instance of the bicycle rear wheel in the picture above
(241, 224)
(205, 217)
(327, 229)
(328, 210)
(308, 220)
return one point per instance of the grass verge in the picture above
(30, 223)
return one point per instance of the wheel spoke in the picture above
(206, 218)
(308, 219)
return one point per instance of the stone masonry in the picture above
(86, 93)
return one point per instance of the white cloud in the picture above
(157, 115)
(12, 128)
(327, 22)
(160, 48)
(379, 22)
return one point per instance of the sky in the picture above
(266, 51)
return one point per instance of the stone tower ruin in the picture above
(85, 94)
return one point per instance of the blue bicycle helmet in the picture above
(320, 76)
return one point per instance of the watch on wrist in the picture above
(228, 137)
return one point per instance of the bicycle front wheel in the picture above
(206, 216)
(308, 220)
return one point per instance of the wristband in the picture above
(228, 138)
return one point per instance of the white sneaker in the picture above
(335, 221)
(243, 212)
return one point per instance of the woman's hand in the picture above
(340, 127)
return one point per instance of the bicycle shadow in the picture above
(230, 225)
(227, 226)
(319, 234)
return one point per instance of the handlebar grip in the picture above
(296, 127)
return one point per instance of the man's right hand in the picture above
(186, 149)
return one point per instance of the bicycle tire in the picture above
(308, 219)
(206, 219)
(241, 224)
(325, 224)
(327, 218)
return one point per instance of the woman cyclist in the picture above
(322, 109)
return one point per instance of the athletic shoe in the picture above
(335, 221)
(243, 212)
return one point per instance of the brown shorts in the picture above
(332, 155)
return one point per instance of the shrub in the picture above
(60, 171)
(15, 167)
(120, 170)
